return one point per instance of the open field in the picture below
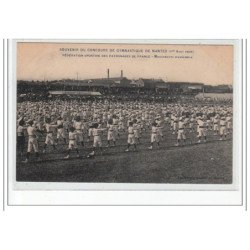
(203, 163)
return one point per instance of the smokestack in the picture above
(108, 73)
(121, 73)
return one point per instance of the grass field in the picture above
(203, 163)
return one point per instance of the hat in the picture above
(21, 122)
(30, 122)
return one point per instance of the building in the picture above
(185, 87)
(192, 87)
(223, 88)
(151, 83)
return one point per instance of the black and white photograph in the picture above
(124, 112)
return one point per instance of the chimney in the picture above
(121, 73)
(108, 73)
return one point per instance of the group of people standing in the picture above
(78, 123)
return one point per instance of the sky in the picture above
(208, 64)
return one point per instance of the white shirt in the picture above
(110, 127)
(130, 130)
(59, 122)
(20, 130)
(31, 131)
(78, 125)
(223, 122)
(181, 125)
(96, 131)
(72, 136)
(201, 123)
(49, 127)
(154, 130)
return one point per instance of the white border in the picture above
(138, 193)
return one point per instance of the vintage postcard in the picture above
(126, 114)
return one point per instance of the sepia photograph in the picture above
(124, 112)
(124, 118)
